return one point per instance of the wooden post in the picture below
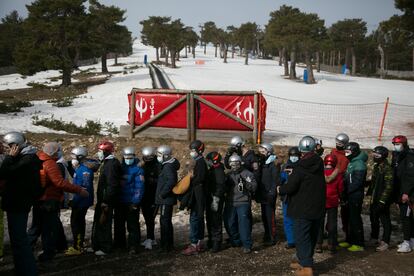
(383, 119)
(255, 122)
(188, 117)
(259, 119)
(192, 117)
(132, 115)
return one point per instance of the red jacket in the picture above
(333, 189)
(342, 160)
(55, 183)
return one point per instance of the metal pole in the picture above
(383, 119)
(132, 115)
(188, 118)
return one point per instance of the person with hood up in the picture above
(266, 192)
(307, 194)
(164, 196)
(20, 171)
(354, 185)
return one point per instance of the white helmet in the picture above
(148, 151)
(342, 138)
(14, 137)
(307, 144)
(128, 151)
(237, 141)
(164, 152)
(235, 162)
(268, 147)
(79, 152)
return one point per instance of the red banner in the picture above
(148, 105)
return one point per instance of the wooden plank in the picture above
(132, 115)
(188, 118)
(192, 118)
(224, 112)
(255, 122)
(160, 115)
(196, 92)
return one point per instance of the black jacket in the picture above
(151, 172)
(404, 172)
(109, 184)
(167, 179)
(198, 186)
(236, 197)
(306, 188)
(22, 180)
(270, 178)
(216, 181)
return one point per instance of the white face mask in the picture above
(159, 159)
(398, 148)
(101, 155)
(129, 162)
(294, 159)
(347, 153)
(193, 154)
(75, 163)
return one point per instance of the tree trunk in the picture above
(215, 53)
(246, 58)
(177, 56)
(173, 56)
(185, 52)
(339, 58)
(205, 47)
(66, 76)
(157, 54)
(323, 57)
(166, 57)
(225, 53)
(353, 61)
(292, 74)
(233, 50)
(103, 61)
(382, 69)
(413, 59)
(193, 51)
(285, 62)
(318, 64)
(347, 63)
(76, 58)
(281, 55)
(311, 78)
(116, 59)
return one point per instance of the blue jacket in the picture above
(132, 186)
(83, 177)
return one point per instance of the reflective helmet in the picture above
(214, 157)
(79, 152)
(14, 137)
(268, 147)
(234, 159)
(198, 146)
(128, 151)
(237, 141)
(106, 146)
(51, 148)
(307, 144)
(330, 159)
(165, 151)
(400, 139)
(148, 151)
(380, 153)
(353, 149)
(294, 151)
(342, 138)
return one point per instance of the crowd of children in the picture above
(313, 186)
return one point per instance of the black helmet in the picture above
(214, 157)
(353, 148)
(294, 151)
(198, 146)
(380, 153)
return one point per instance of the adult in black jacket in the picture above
(266, 192)
(198, 188)
(21, 172)
(109, 185)
(216, 180)
(164, 196)
(151, 171)
(403, 180)
(306, 191)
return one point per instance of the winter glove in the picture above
(133, 207)
(215, 204)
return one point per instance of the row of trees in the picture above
(296, 36)
(58, 33)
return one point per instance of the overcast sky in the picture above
(235, 12)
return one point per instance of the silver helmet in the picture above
(79, 152)
(307, 144)
(148, 151)
(128, 151)
(165, 151)
(237, 141)
(14, 137)
(342, 138)
(235, 162)
(268, 147)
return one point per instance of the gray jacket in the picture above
(240, 187)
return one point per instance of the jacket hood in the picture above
(28, 150)
(336, 151)
(310, 163)
(362, 156)
(173, 162)
(43, 156)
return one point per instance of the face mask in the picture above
(347, 154)
(338, 147)
(319, 151)
(101, 155)
(129, 162)
(235, 166)
(75, 163)
(159, 159)
(193, 154)
(294, 159)
(398, 148)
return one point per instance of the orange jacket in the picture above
(55, 183)
(342, 160)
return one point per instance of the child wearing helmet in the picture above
(380, 190)
(334, 188)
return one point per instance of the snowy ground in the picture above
(338, 103)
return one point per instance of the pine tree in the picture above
(10, 31)
(153, 31)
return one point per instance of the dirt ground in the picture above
(262, 261)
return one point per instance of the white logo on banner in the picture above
(248, 112)
(152, 107)
(141, 106)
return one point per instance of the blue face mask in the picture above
(129, 162)
(294, 159)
